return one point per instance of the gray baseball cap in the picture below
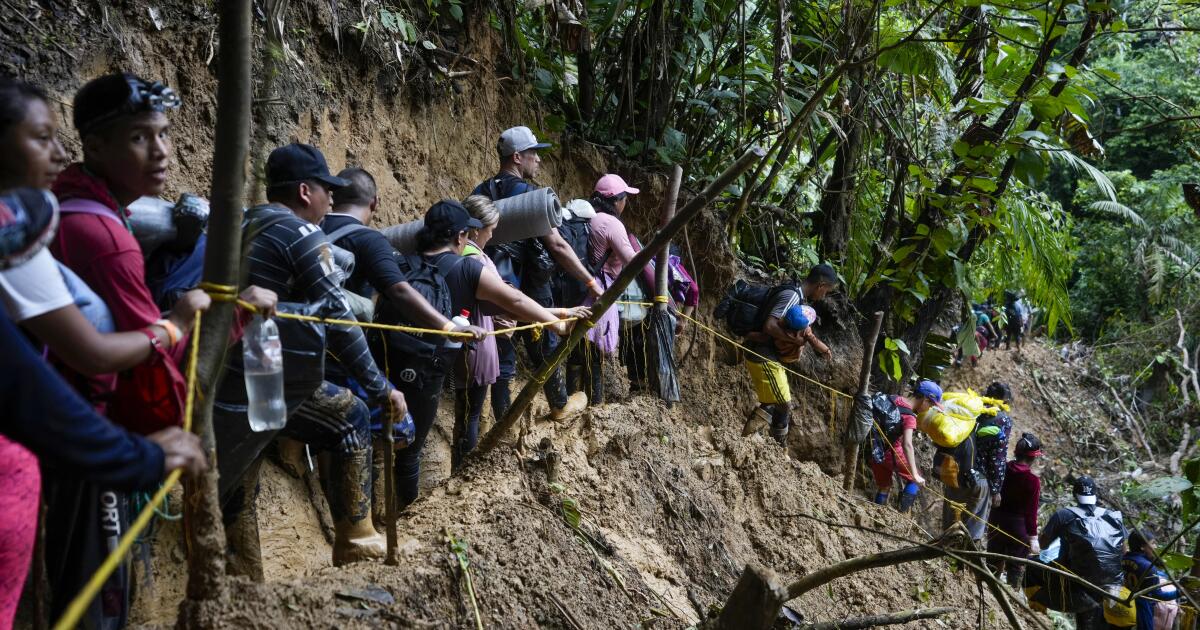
(517, 139)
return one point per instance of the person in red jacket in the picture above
(1014, 521)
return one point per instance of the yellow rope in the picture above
(79, 605)
(226, 293)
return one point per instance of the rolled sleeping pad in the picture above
(154, 221)
(526, 215)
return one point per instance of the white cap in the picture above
(1086, 499)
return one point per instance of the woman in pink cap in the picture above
(609, 251)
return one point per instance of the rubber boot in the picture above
(576, 403)
(780, 423)
(758, 419)
(1016, 577)
(909, 497)
(355, 538)
(243, 548)
(881, 498)
(378, 497)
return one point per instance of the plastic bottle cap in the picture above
(465, 313)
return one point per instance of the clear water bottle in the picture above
(262, 359)
(462, 319)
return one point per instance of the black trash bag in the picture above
(661, 337)
(859, 426)
(1095, 545)
(303, 371)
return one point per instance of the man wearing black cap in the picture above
(1093, 541)
(290, 255)
(529, 265)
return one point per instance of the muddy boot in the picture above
(576, 403)
(758, 419)
(243, 549)
(378, 497)
(355, 538)
(779, 423)
(292, 458)
(1016, 577)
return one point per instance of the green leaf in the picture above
(1029, 167)
(1176, 561)
(456, 12)
(1159, 488)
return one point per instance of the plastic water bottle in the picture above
(462, 319)
(262, 358)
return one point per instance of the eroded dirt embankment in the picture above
(677, 502)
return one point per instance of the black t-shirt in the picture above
(375, 268)
(462, 279)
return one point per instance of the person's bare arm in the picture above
(404, 295)
(911, 455)
(492, 289)
(73, 339)
(773, 330)
(88, 351)
(817, 344)
(562, 253)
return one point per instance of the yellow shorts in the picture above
(770, 382)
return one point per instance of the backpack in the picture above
(362, 306)
(1095, 545)
(885, 413)
(955, 466)
(577, 233)
(429, 279)
(745, 305)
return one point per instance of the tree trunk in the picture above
(755, 602)
(205, 533)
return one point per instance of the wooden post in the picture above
(661, 263)
(202, 509)
(864, 387)
(635, 266)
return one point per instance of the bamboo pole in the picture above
(864, 387)
(635, 266)
(205, 532)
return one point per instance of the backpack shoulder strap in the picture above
(87, 206)
(344, 231)
(494, 188)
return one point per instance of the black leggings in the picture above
(422, 399)
(468, 407)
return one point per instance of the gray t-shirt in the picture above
(786, 299)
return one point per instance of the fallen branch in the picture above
(566, 612)
(888, 619)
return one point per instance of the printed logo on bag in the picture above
(408, 375)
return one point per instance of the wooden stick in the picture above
(222, 259)
(635, 266)
(864, 387)
(668, 213)
(887, 619)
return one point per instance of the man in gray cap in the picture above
(530, 266)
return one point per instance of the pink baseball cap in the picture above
(612, 185)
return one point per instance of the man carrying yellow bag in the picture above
(951, 426)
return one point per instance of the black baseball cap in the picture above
(1085, 489)
(450, 216)
(294, 163)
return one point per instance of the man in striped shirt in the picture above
(291, 255)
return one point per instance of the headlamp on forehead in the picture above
(140, 96)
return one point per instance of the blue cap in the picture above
(930, 390)
(799, 317)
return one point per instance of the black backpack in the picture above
(429, 279)
(885, 413)
(745, 305)
(1095, 545)
(577, 233)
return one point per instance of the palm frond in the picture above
(1118, 210)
